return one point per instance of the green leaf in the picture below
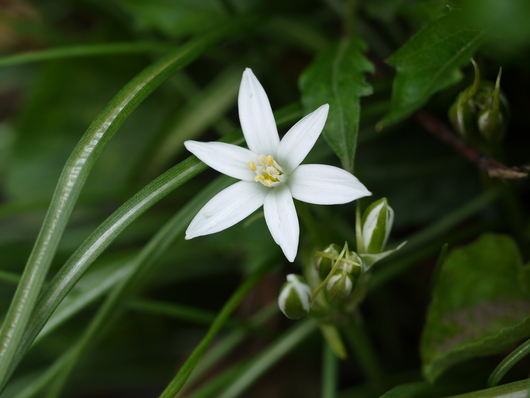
(429, 62)
(71, 182)
(176, 17)
(336, 77)
(479, 305)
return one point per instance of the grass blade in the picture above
(71, 182)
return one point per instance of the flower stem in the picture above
(330, 274)
(358, 340)
(329, 373)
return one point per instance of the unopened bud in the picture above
(344, 278)
(339, 287)
(324, 264)
(376, 224)
(481, 111)
(295, 297)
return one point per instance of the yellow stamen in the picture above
(270, 178)
(269, 174)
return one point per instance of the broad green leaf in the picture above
(429, 62)
(336, 77)
(479, 305)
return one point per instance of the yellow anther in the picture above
(270, 178)
(269, 173)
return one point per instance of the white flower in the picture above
(270, 172)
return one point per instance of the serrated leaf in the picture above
(479, 305)
(336, 77)
(429, 62)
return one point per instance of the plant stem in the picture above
(356, 336)
(180, 378)
(329, 371)
(508, 362)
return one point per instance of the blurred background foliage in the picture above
(48, 101)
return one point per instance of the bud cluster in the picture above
(480, 113)
(340, 269)
(340, 276)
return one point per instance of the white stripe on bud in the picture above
(295, 297)
(376, 224)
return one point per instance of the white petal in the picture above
(298, 141)
(255, 114)
(282, 221)
(227, 208)
(325, 185)
(228, 159)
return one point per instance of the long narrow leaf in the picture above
(87, 50)
(105, 234)
(140, 266)
(272, 354)
(71, 182)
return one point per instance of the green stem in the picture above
(518, 389)
(71, 182)
(336, 265)
(266, 359)
(361, 345)
(180, 378)
(187, 313)
(223, 347)
(359, 229)
(508, 362)
(88, 50)
(330, 367)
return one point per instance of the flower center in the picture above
(269, 173)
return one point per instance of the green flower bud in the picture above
(295, 297)
(344, 278)
(340, 286)
(376, 224)
(324, 264)
(481, 112)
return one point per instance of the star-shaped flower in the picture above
(270, 172)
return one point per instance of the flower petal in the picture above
(282, 221)
(298, 141)
(228, 159)
(255, 115)
(325, 185)
(227, 208)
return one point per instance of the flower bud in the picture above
(324, 264)
(340, 286)
(295, 297)
(481, 112)
(376, 224)
(344, 278)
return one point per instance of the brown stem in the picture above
(489, 165)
